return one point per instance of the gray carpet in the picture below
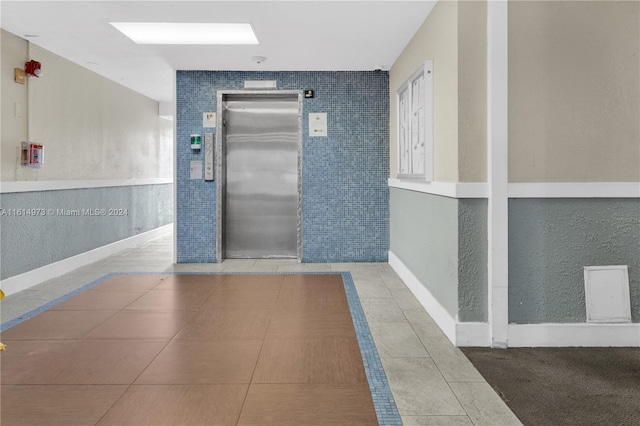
(565, 386)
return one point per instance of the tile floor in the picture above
(432, 382)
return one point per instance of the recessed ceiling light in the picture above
(186, 33)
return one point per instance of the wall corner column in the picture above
(497, 171)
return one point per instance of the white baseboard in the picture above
(460, 333)
(439, 314)
(473, 334)
(574, 335)
(29, 279)
(520, 335)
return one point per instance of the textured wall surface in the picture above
(345, 194)
(551, 240)
(424, 235)
(472, 260)
(29, 242)
(574, 91)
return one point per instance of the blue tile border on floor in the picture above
(383, 401)
(12, 323)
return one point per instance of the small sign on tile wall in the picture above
(208, 120)
(317, 124)
(195, 170)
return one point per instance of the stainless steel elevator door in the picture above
(261, 204)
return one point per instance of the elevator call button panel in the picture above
(208, 155)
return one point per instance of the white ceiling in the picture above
(293, 35)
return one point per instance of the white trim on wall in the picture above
(55, 185)
(175, 166)
(445, 189)
(477, 334)
(575, 190)
(497, 170)
(576, 335)
(29, 279)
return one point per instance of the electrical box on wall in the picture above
(32, 154)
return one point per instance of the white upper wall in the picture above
(13, 127)
(91, 127)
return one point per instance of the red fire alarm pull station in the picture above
(32, 154)
(33, 68)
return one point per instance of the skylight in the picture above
(186, 33)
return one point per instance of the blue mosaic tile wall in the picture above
(345, 193)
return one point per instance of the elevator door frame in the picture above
(220, 154)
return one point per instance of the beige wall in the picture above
(91, 127)
(13, 128)
(574, 94)
(437, 39)
(472, 91)
(454, 37)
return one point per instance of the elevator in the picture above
(259, 192)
